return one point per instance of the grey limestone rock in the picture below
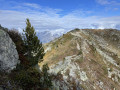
(8, 53)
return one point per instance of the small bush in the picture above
(46, 79)
(80, 52)
(27, 79)
(17, 39)
(31, 79)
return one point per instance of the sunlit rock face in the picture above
(86, 58)
(8, 53)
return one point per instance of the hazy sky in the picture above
(60, 14)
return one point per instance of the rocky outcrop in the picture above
(8, 53)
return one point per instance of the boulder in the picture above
(8, 53)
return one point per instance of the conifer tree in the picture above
(33, 47)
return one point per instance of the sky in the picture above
(60, 15)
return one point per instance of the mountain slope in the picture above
(90, 58)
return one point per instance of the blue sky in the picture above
(60, 15)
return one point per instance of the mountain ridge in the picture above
(88, 57)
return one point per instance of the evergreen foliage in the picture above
(30, 51)
(17, 39)
(33, 47)
(46, 77)
(27, 79)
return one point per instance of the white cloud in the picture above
(58, 31)
(44, 21)
(109, 5)
(33, 5)
(49, 19)
(103, 2)
(108, 2)
(116, 9)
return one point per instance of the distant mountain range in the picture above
(47, 36)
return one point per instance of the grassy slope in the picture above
(93, 63)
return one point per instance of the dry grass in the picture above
(92, 63)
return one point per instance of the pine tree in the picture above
(33, 47)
